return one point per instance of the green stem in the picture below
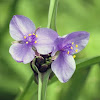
(42, 84)
(43, 78)
(52, 14)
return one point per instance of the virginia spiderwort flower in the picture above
(23, 30)
(64, 65)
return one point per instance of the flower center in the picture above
(70, 48)
(31, 39)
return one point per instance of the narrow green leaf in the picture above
(88, 63)
(21, 96)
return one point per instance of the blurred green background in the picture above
(73, 15)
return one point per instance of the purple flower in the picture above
(23, 30)
(64, 65)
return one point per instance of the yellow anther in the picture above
(24, 37)
(76, 50)
(68, 52)
(35, 42)
(71, 47)
(33, 33)
(72, 43)
(29, 34)
(26, 42)
(76, 45)
(74, 56)
(36, 35)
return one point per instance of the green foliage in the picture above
(73, 15)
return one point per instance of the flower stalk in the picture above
(42, 84)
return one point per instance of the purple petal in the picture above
(22, 53)
(57, 45)
(80, 38)
(20, 26)
(55, 49)
(63, 67)
(44, 49)
(45, 40)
